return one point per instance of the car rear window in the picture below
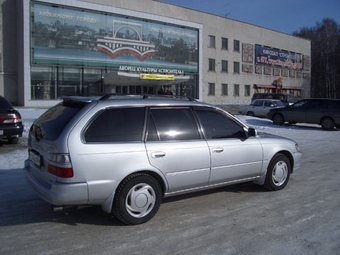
(4, 104)
(50, 125)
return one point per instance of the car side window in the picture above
(317, 104)
(334, 104)
(258, 103)
(268, 103)
(116, 125)
(172, 124)
(301, 105)
(218, 126)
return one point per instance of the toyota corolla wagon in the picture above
(126, 153)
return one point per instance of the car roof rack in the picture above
(142, 96)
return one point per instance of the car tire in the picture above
(250, 114)
(14, 140)
(278, 173)
(137, 199)
(278, 119)
(327, 123)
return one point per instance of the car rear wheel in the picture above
(137, 199)
(278, 173)
(278, 119)
(14, 140)
(250, 114)
(327, 123)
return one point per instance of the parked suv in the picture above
(127, 152)
(324, 112)
(11, 126)
(286, 99)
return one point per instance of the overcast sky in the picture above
(284, 16)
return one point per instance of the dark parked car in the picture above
(11, 126)
(324, 112)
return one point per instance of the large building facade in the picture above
(52, 49)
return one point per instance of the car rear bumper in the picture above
(56, 193)
(11, 131)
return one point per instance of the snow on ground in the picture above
(12, 156)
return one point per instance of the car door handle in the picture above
(157, 154)
(218, 150)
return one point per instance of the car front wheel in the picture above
(278, 119)
(137, 199)
(278, 173)
(327, 123)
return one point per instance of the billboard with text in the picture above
(271, 56)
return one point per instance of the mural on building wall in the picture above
(271, 56)
(68, 36)
(267, 70)
(306, 63)
(258, 69)
(284, 72)
(247, 53)
(276, 71)
(247, 68)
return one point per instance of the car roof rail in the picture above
(142, 96)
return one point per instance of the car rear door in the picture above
(317, 109)
(174, 145)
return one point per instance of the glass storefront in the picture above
(57, 81)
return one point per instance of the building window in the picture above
(211, 64)
(236, 67)
(224, 43)
(224, 66)
(224, 89)
(211, 89)
(236, 45)
(211, 41)
(236, 89)
(247, 90)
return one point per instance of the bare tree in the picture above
(325, 55)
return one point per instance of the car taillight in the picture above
(60, 171)
(12, 118)
(60, 165)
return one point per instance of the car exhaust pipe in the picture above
(57, 208)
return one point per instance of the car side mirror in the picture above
(252, 132)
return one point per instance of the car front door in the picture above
(296, 112)
(258, 108)
(175, 146)
(234, 156)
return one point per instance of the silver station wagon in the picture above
(126, 153)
